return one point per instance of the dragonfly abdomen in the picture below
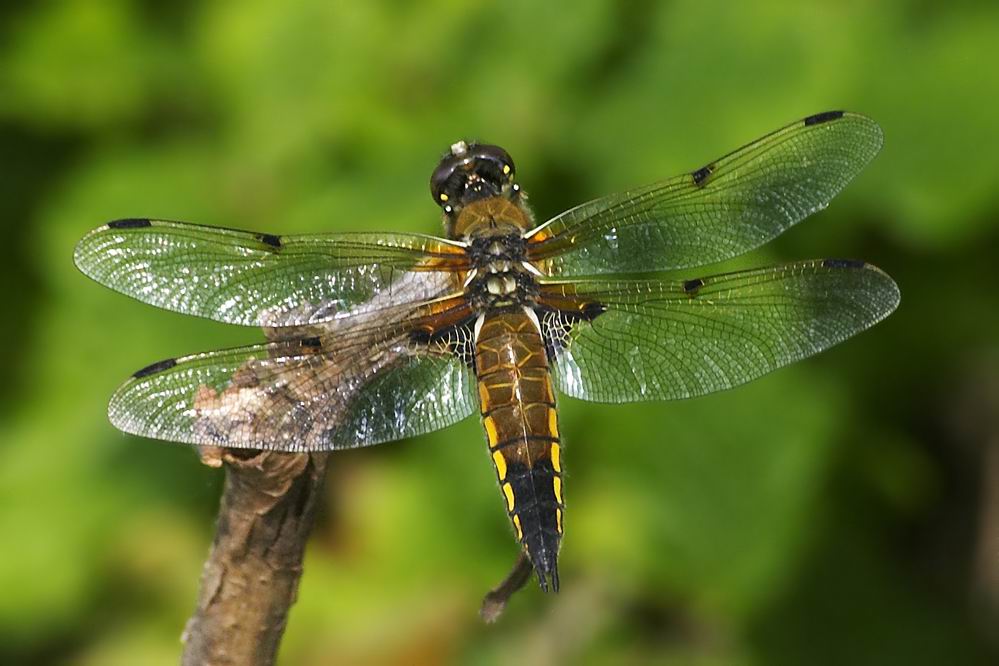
(518, 413)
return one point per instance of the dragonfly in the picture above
(376, 337)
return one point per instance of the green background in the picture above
(841, 511)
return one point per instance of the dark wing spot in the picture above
(823, 117)
(312, 344)
(155, 367)
(691, 286)
(591, 311)
(270, 239)
(843, 263)
(130, 223)
(701, 175)
(421, 336)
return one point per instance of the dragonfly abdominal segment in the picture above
(517, 406)
(516, 399)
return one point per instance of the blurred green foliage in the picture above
(835, 512)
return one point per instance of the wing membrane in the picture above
(255, 279)
(309, 394)
(721, 210)
(662, 340)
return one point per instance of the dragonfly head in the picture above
(470, 172)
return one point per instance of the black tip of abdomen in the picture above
(554, 577)
(547, 581)
(542, 549)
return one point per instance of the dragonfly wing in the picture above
(721, 210)
(254, 279)
(623, 341)
(340, 390)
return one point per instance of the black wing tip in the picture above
(844, 263)
(130, 223)
(823, 117)
(154, 368)
(888, 285)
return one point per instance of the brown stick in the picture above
(494, 602)
(251, 577)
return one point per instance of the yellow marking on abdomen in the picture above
(483, 397)
(520, 532)
(556, 464)
(557, 484)
(553, 422)
(558, 520)
(508, 491)
(491, 434)
(500, 463)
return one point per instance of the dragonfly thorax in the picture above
(501, 276)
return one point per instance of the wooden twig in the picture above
(494, 602)
(251, 577)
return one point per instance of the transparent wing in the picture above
(253, 279)
(721, 210)
(623, 341)
(335, 391)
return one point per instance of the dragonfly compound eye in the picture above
(469, 172)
